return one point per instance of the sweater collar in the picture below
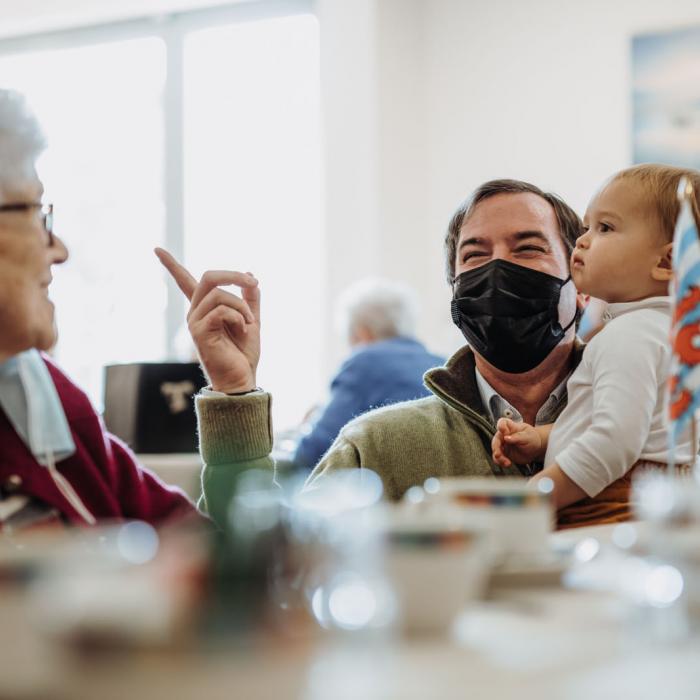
(456, 384)
(497, 407)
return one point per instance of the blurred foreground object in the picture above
(383, 567)
(336, 535)
(122, 586)
(517, 515)
(437, 565)
(103, 590)
(671, 505)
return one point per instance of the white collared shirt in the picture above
(497, 407)
(616, 412)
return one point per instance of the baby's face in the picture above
(622, 244)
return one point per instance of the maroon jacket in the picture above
(103, 471)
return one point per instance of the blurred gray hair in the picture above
(387, 309)
(21, 141)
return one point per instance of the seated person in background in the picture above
(615, 420)
(56, 460)
(386, 365)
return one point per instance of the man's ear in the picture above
(663, 270)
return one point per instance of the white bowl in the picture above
(519, 516)
(435, 569)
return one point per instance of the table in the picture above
(522, 642)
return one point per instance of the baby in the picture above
(615, 416)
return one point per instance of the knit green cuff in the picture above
(234, 428)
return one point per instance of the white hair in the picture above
(21, 141)
(387, 309)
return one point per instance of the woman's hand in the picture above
(225, 328)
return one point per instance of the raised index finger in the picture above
(221, 278)
(179, 273)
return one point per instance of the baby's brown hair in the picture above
(660, 183)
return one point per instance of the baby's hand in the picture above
(515, 442)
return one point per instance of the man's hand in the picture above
(516, 442)
(225, 328)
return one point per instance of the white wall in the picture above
(375, 141)
(468, 90)
(425, 99)
(535, 90)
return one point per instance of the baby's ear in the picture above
(663, 270)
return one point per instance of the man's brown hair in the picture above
(570, 225)
(660, 185)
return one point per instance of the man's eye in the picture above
(529, 249)
(469, 256)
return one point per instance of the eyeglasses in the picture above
(45, 210)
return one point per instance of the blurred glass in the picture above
(337, 530)
(243, 556)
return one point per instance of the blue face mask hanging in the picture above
(30, 401)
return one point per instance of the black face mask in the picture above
(509, 314)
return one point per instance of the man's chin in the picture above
(484, 365)
(558, 352)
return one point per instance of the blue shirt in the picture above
(374, 375)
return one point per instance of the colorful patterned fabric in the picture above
(684, 382)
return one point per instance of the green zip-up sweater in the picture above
(446, 434)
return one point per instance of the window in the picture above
(100, 107)
(252, 184)
(200, 133)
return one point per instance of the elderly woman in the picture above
(56, 461)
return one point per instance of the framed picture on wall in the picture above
(666, 97)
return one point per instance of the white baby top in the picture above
(616, 410)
